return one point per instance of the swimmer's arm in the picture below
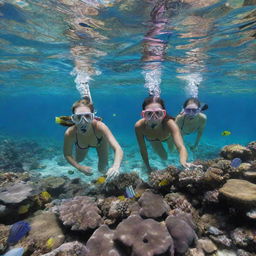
(142, 145)
(113, 143)
(179, 121)
(200, 131)
(178, 141)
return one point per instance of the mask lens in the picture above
(159, 114)
(191, 111)
(148, 114)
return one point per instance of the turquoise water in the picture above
(217, 42)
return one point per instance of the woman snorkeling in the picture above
(157, 127)
(191, 119)
(88, 132)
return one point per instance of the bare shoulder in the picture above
(99, 126)
(139, 124)
(179, 117)
(70, 132)
(172, 124)
(202, 116)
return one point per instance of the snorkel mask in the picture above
(154, 116)
(82, 120)
(192, 110)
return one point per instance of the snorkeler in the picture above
(88, 132)
(192, 120)
(157, 126)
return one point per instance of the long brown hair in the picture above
(83, 102)
(155, 99)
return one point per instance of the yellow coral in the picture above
(122, 198)
(163, 183)
(23, 209)
(45, 196)
(50, 242)
(101, 180)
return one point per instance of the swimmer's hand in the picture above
(85, 170)
(112, 173)
(190, 166)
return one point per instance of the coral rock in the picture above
(4, 232)
(239, 193)
(81, 213)
(236, 151)
(163, 178)
(152, 205)
(244, 238)
(101, 243)
(53, 184)
(207, 245)
(68, 249)
(43, 226)
(182, 233)
(16, 193)
(144, 237)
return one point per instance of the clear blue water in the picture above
(217, 41)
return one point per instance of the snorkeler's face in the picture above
(153, 114)
(82, 118)
(191, 110)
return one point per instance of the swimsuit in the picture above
(89, 146)
(157, 139)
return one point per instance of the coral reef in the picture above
(68, 249)
(236, 151)
(37, 240)
(117, 186)
(152, 205)
(81, 213)
(144, 237)
(54, 185)
(240, 194)
(181, 232)
(101, 243)
(163, 179)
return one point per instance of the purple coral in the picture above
(182, 233)
(101, 243)
(144, 237)
(81, 213)
(152, 205)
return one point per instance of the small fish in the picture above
(82, 24)
(252, 214)
(15, 252)
(236, 162)
(163, 183)
(225, 133)
(18, 231)
(50, 242)
(101, 180)
(23, 209)
(129, 192)
(71, 172)
(122, 198)
(114, 114)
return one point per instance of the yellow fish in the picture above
(45, 196)
(101, 180)
(122, 198)
(163, 183)
(23, 209)
(50, 243)
(226, 133)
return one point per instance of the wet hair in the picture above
(83, 102)
(195, 101)
(155, 99)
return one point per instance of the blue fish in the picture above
(236, 162)
(129, 192)
(18, 231)
(15, 252)
(82, 24)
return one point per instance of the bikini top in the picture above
(89, 146)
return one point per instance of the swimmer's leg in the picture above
(102, 151)
(159, 149)
(80, 154)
